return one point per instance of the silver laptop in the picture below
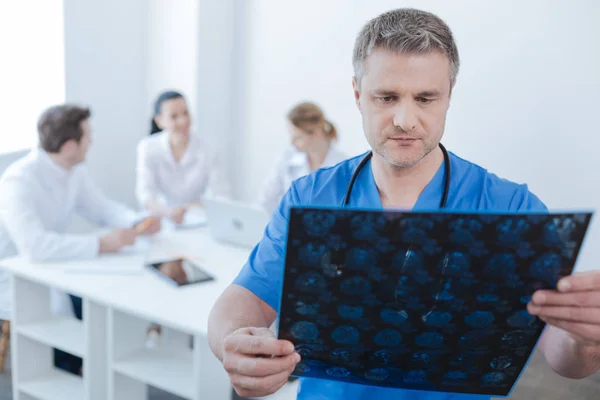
(234, 222)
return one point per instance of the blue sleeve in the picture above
(263, 272)
(524, 200)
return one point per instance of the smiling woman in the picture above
(33, 72)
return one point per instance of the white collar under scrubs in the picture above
(291, 165)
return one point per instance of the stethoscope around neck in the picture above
(366, 159)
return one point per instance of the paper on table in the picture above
(121, 266)
(130, 260)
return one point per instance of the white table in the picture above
(116, 312)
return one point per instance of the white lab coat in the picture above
(37, 200)
(160, 176)
(290, 166)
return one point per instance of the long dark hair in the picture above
(164, 96)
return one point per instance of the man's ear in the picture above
(450, 94)
(68, 147)
(356, 88)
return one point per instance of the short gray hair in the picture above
(405, 30)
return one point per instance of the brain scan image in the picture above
(383, 356)
(360, 258)
(501, 362)
(465, 231)
(500, 266)
(367, 226)
(479, 319)
(307, 309)
(318, 224)
(521, 319)
(455, 378)
(437, 318)
(487, 298)
(430, 339)
(408, 262)
(311, 282)
(393, 317)
(415, 376)
(309, 350)
(350, 312)
(431, 301)
(377, 374)
(348, 354)
(493, 378)
(511, 230)
(546, 267)
(346, 335)
(338, 372)
(305, 331)
(388, 338)
(456, 264)
(311, 253)
(356, 286)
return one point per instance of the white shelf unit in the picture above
(132, 367)
(55, 385)
(37, 331)
(63, 333)
(178, 367)
(170, 371)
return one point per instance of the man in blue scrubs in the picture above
(405, 64)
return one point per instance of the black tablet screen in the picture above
(181, 271)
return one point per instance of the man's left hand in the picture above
(148, 226)
(574, 307)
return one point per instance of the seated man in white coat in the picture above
(39, 194)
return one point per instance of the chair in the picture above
(4, 340)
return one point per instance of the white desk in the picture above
(111, 337)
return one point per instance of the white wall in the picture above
(525, 105)
(32, 72)
(220, 55)
(120, 55)
(105, 58)
(172, 50)
(192, 48)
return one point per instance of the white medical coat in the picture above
(290, 166)
(37, 201)
(161, 177)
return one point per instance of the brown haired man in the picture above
(42, 191)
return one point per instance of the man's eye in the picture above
(423, 100)
(386, 99)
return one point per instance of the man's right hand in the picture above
(117, 239)
(257, 363)
(177, 214)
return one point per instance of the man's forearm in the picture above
(236, 308)
(567, 357)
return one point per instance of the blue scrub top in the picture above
(472, 188)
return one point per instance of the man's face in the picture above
(403, 99)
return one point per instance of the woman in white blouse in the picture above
(312, 147)
(175, 168)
